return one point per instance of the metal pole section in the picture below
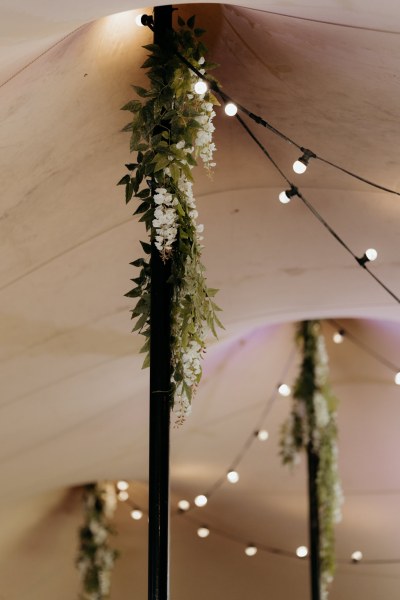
(315, 571)
(160, 397)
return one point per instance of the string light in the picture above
(203, 532)
(136, 514)
(338, 336)
(138, 20)
(201, 500)
(251, 550)
(369, 256)
(123, 496)
(231, 109)
(397, 378)
(286, 196)
(183, 505)
(200, 87)
(122, 485)
(284, 389)
(356, 556)
(302, 551)
(263, 434)
(301, 164)
(232, 476)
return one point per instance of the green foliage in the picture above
(312, 425)
(170, 129)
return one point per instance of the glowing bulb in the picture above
(123, 496)
(138, 20)
(250, 550)
(299, 167)
(284, 198)
(232, 476)
(371, 254)
(136, 514)
(200, 500)
(200, 87)
(356, 556)
(397, 378)
(302, 551)
(122, 486)
(230, 109)
(284, 389)
(262, 435)
(183, 505)
(338, 336)
(203, 532)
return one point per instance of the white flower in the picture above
(202, 60)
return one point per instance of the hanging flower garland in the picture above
(95, 559)
(312, 423)
(170, 129)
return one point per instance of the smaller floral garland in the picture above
(170, 130)
(313, 421)
(95, 559)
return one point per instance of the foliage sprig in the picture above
(313, 424)
(171, 128)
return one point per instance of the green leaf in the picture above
(146, 247)
(143, 206)
(181, 22)
(199, 32)
(140, 262)
(146, 362)
(131, 166)
(142, 92)
(128, 191)
(125, 179)
(132, 106)
(191, 21)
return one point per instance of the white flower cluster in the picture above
(204, 135)
(165, 222)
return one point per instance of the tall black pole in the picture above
(315, 565)
(160, 396)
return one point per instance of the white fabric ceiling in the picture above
(74, 399)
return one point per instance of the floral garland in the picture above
(313, 421)
(95, 559)
(170, 129)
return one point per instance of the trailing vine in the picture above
(313, 423)
(171, 128)
(96, 558)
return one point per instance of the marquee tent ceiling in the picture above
(74, 399)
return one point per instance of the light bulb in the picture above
(397, 378)
(302, 551)
(122, 485)
(123, 496)
(203, 532)
(200, 500)
(230, 109)
(284, 389)
(371, 254)
(284, 198)
(200, 87)
(232, 476)
(138, 20)
(250, 550)
(356, 556)
(262, 435)
(183, 505)
(136, 514)
(299, 167)
(338, 336)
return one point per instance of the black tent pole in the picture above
(315, 567)
(160, 396)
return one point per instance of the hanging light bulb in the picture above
(138, 20)
(123, 496)
(356, 556)
(122, 485)
(200, 500)
(369, 255)
(136, 514)
(231, 109)
(232, 476)
(262, 435)
(301, 164)
(338, 336)
(285, 196)
(302, 551)
(183, 505)
(284, 389)
(397, 378)
(203, 532)
(251, 550)
(200, 87)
